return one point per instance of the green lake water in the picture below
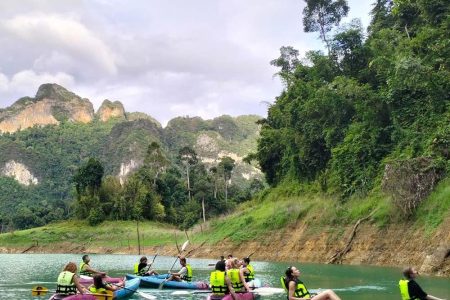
(20, 272)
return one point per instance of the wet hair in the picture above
(407, 272)
(246, 260)
(84, 257)
(98, 281)
(183, 260)
(143, 258)
(289, 275)
(220, 266)
(230, 255)
(71, 267)
(222, 257)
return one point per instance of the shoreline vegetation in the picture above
(355, 232)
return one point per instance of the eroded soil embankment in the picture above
(395, 245)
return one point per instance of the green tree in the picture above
(226, 166)
(188, 159)
(322, 15)
(155, 161)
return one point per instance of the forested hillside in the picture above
(117, 165)
(372, 114)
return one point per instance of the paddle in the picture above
(42, 291)
(182, 250)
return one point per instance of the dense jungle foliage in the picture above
(375, 105)
(77, 167)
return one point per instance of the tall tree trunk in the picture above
(188, 182)
(138, 237)
(203, 208)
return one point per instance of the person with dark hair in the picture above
(143, 268)
(247, 270)
(86, 269)
(237, 277)
(296, 289)
(185, 273)
(220, 283)
(99, 286)
(67, 283)
(410, 289)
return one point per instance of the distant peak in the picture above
(54, 91)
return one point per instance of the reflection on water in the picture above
(20, 272)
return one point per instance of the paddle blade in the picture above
(184, 245)
(39, 291)
(146, 296)
(106, 295)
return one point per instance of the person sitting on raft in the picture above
(296, 289)
(237, 277)
(143, 268)
(86, 269)
(67, 283)
(410, 289)
(185, 273)
(220, 283)
(247, 270)
(99, 287)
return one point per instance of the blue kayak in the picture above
(155, 282)
(130, 288)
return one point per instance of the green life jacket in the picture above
(235, 279)
(188, 276)
(95, 290)
(83, 271)
(251, 273)
(217, 283)
(300, 290)
(138, 272)
(403, 285)
(65, 284)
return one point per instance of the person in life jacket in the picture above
(99, 287)
(409, 289)
(86, 269)
(143, 268)
(296, 289)
(220, 283)
(67, 282)
(237, 277)
(184, 274)
(247, 270)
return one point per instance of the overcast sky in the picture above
(166, 58)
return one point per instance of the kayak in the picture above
(255, 283)
(155, 282)
(87, 280)
(240, 296)
(130, 288)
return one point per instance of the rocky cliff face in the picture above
(52, 104)
(109, 110)
(19, 172)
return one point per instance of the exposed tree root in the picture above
(339, 255)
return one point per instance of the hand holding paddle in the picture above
(170, 270)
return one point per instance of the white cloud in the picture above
(50, 32)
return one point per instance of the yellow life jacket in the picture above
(300, 289)
(251, 273)
(188, 276)
(403, 285)
(83, 271)
(95, 290)
(217, 283)
(65, 284)
(235, 279)
(137, 271)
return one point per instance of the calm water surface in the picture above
(20, 272)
